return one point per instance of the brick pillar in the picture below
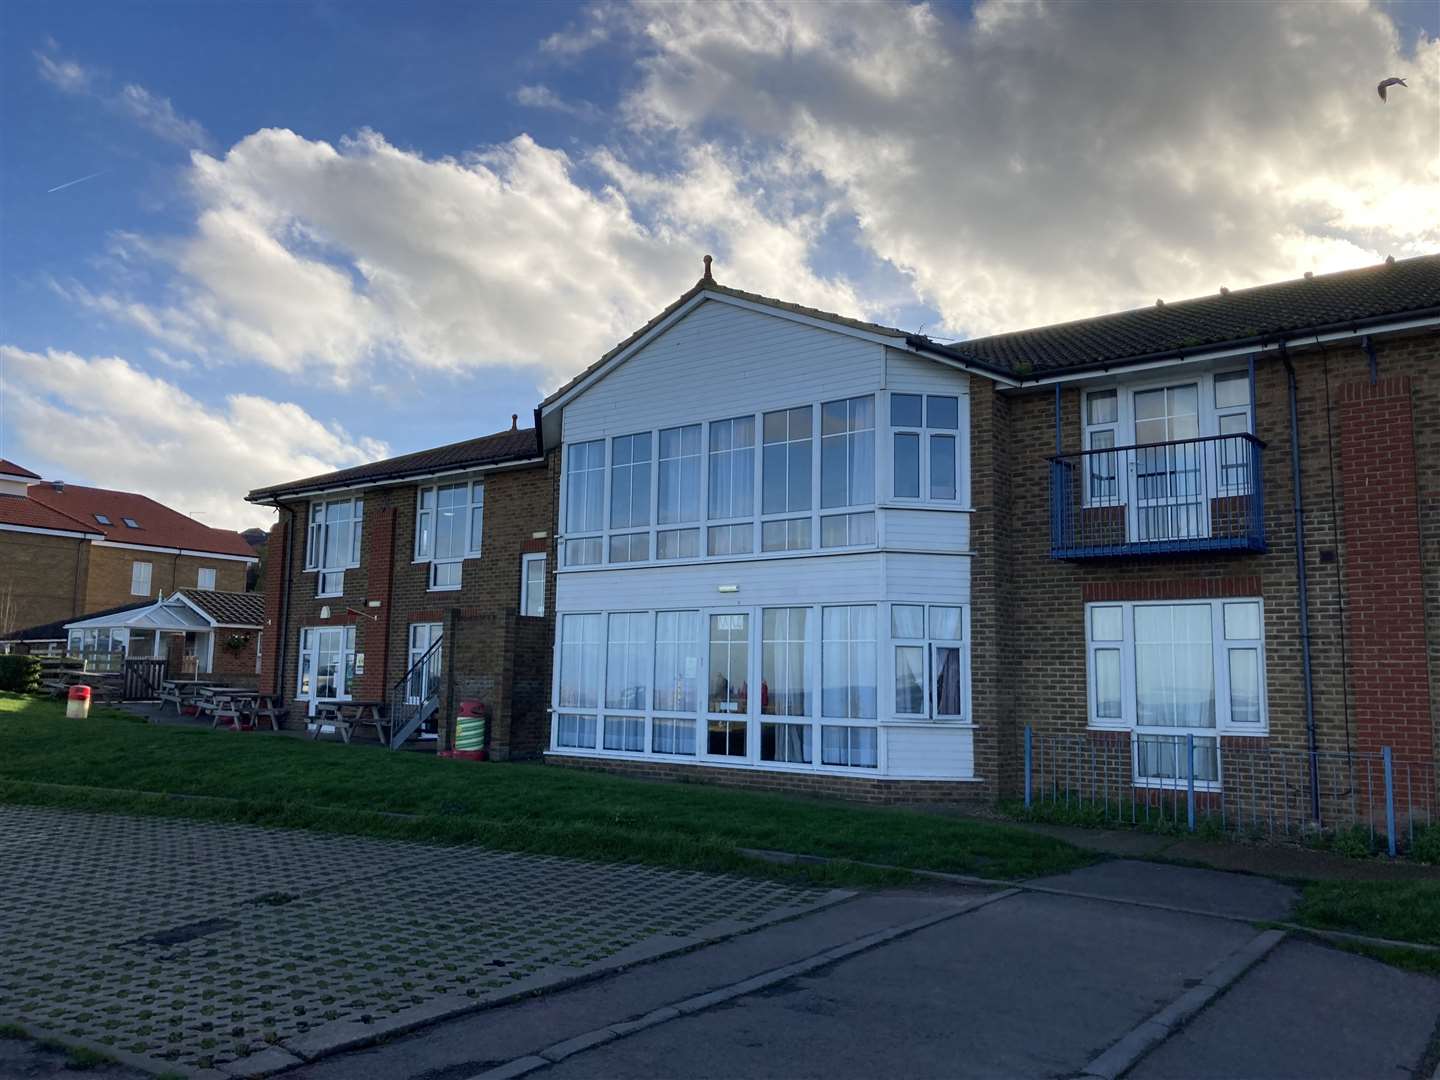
(1387, 649)
(373, 634)
(271, 647)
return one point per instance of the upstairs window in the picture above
(332, 542)
(847, 470)
(532, 585)
(205, 578)
(788, 437)
(678, 500)
(732, 485)
(926, 430)
(140, 575)
(449, 526)
(584, 501)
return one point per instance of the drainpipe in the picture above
(283, 629)
(1303, 585)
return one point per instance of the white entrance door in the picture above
(1169, 480)
(327, 664)
(424, 680)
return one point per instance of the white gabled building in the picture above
(764, 536)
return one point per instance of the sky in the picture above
(244, 243)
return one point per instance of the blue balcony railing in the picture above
(1162, 498)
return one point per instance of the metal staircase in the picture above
(415, 697)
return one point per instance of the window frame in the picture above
(427, 520)
(135, 576)
(576, 545)
(200, 573)
(527, 592)
(317, 525)
(1220, 646)
(928, 643)
(924, 432)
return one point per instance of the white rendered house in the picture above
(764, 536)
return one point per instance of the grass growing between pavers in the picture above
(113, 761)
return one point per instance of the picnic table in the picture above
(233, 704)
(346, 716)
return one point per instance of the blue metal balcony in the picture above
(1193, 495)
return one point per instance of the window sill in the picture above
(444, 588)
(921, 504)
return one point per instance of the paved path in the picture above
(205, 944)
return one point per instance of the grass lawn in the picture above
(114, 761)
(1401, 910)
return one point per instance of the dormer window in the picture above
(103, 519)
(130, 523)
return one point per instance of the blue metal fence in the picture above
(1245, 787)
(1202, 494)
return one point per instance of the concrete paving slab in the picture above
(472, 1044)
(1239, 895)
(1034, 985)
(1307, 1012)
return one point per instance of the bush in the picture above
(1426, 848)
(20, 674)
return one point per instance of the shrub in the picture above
(1426, 848)
(20, 674)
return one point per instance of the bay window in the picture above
(449, 526)
(1170, 670)
(332, 542)
(848, 686)
(677, 681)
(578, 684)
(925, 431)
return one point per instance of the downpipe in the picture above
(1303, 586)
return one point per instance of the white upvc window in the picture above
(925, 439)
(1168, 670)
(849, 686)
(141, 574)
(681, 461)
(584, 502)
(628, 662)
(931, 674)
(327, 664)
(727, 703)
(787, 691)
(205, 577)
(532, 585)
(787, 479)
(581, 655)
(731, 496)
(332, 542)
(679, 664)
(847, 471)
(449, 528)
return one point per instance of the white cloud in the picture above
(540, 96)
(307, 254)
(593, 29)
(1042, 162)
(104, 420)
(151, 111)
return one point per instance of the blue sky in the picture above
(327, 231)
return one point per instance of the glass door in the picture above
(327, 664)
(423, 681)
(1170, 501)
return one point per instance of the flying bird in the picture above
(1392, 81)
(72, 183)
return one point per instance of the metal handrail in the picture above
(1259, 444)
(406, 716)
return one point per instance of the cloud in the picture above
(1039, 162)
(539, 96)
(357, 255)
(151, 111)
(142, 433)
(595, 28)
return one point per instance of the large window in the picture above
(786, 479)
(449, 526)
(930, 660)
(532, 585)
(785, 691)
(847, 470)
(926, 430)
(627, 661)
(584, 501)
(1172, 670)
(677, 661)
(847, 666)
(729, 694)
(630, 481)
(732, 485)
(332, 542)
(327, 664)
(678, 501)
(582, 643)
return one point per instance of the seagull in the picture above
(1392, 81)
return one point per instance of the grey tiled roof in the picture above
(516, 444)
(1349, 297)
(229, 608)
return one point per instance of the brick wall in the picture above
(1042, 632)
(487, 641)
(41, 579)
(110, 569)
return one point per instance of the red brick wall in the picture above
(1382, 572)
(270, 643)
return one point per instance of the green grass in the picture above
(1399, 910)
(113, 761)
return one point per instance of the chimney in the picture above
(1224, 291)
(514, 421)
(58, 485)
(1309, 275)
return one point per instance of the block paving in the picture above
(200, 943)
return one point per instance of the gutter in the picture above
(273, 496)
(1302, 585)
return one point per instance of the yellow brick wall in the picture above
(41, 578)
(109, 579)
